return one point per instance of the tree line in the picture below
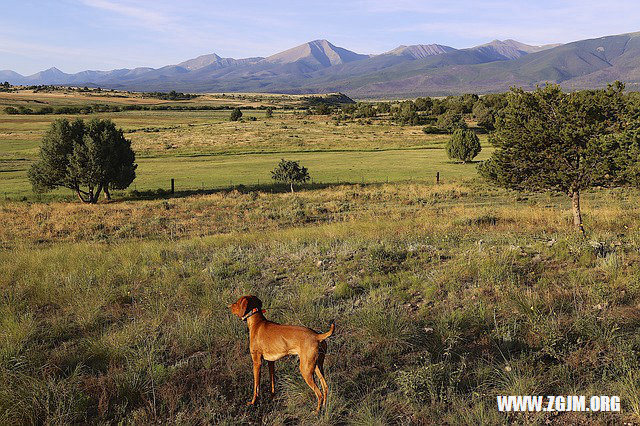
(97, 108)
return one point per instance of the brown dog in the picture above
(272, 341)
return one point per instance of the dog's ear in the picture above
(242, 304)
(255, 302)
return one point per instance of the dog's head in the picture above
(244, 305)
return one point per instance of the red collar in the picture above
(251, 313)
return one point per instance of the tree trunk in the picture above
(97, 194)
(577, 214)
(291, 187)
(80, 195)
(94, 197)
(106, 192)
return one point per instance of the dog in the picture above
(271, 341)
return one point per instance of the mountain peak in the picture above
(316, 53)
(213, 61)
(420, 51)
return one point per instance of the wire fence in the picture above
(182, 187)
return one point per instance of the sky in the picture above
(76, 35)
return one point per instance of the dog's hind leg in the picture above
(306, 368)
(320, 371)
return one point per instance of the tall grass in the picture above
(441, 302)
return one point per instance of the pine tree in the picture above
(547, 140)
(464, 145)
(84, 157)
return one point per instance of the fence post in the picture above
(437, 178)
(173, 185)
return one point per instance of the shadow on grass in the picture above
(165, 194)
(160, 194)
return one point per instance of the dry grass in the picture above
(442, 208)
(444, 297)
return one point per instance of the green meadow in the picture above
(204, 150)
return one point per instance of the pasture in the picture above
(204, 150)
(444, 296)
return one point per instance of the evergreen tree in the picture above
(566, 142)
(236, 114)
(464, 145)
(84, 157)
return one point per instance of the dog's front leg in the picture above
(272, 375)
(257, 362)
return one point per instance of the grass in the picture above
(438, 309)
(204, 150)
(444, 296)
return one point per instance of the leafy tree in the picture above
(290, 172)
(322, 109)
(236, 114)
(383, 107)
(464, 145)
(468, 101)
(423, 104)
(484, 116)
(407, 114)
(567, 142)
(269, 112)
(365, 110)
(84, 157)
(450, 121)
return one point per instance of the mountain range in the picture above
(406, 71)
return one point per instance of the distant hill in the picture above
(406, 71)
(215, 61)
(420, 51)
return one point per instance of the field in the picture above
(204, 150)
(444, 296)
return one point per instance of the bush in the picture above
(236, 114)
(464, 145)
(431, 130)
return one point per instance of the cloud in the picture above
(148, 16)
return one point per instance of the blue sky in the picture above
(75, 35)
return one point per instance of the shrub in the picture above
(431, 130)
(236, 114)
(464, 145)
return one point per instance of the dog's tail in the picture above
(323, 336)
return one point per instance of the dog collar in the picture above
(251, 313)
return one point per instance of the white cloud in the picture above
(148, 16)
